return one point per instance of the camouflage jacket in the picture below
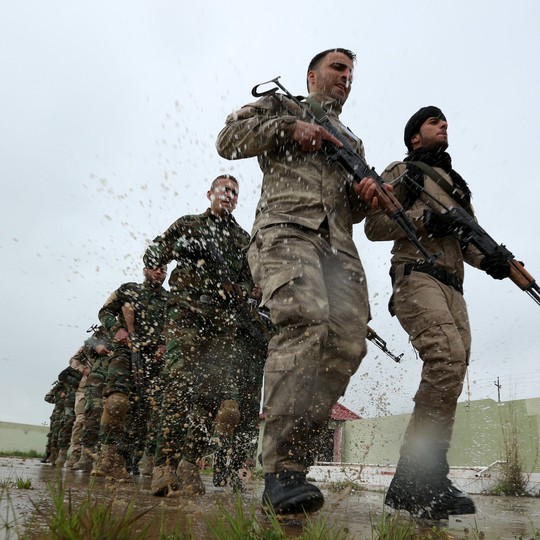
(149, 306)
(210, 252)
(298, 187)
(379, 227)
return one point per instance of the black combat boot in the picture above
(423, 489)
(288, 492)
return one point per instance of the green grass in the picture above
(344, 486)
(18, 482)
(19, 453)
(91, 519)
(397, 527)
(241, 524)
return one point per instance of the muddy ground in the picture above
(497, 517)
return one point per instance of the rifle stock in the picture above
(379, 342)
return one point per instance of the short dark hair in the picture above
(227, 177)
(318, 58)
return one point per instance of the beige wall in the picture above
(478, 438)
(22, 437)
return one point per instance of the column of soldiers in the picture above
(181, 371)
(171, 375)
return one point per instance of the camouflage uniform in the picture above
(428, 302)
(200, 367)
(80, 362)
(71, 378)
(233, 454)
(93, 396)
(128, 431)
(54, 396)
(305, 261)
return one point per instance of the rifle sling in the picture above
(318, 111)
(444, 185)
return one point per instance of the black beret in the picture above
(417, 119)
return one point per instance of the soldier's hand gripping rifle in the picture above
(377, 340)
(353, 163)
(465, 228)
(137, 361)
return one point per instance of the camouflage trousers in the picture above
(435, 317)
(127, 426)
(67, 420)
(55, 423)
(199, 371)
(318, 300)
(252, 356)
(76, 432)
(95, 384)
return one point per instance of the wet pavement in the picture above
(497, 517)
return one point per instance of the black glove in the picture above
(496, 265)
(437, 225)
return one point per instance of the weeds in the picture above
(512, 480)
(22, 483)
(242, 525)
(396, 527)
(92, 519)
(344, 486)
(19, 453)
(19, 482)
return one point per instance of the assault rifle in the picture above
(377, 340)
(349, 159)
(467, 230)
(137, 361)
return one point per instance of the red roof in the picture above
(340, 412)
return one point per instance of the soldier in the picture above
(304, 258)
(232, 455)
(134, 315)
(82, 363)
(207, 285)
(428, 302)
(55, 396)
(70, 378)
(97, 348)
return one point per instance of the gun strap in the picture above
(317, 109)
(444, 185)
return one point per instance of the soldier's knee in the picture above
(115, 408)
(227, 418)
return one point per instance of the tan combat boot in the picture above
(164, 481)
(189, 479)
(52, 456)
(73, 458)
(61, 458)
(86, 461)
(111, 464)
(148, 466)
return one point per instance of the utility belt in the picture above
(440, 274)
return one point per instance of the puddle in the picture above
(501, 518)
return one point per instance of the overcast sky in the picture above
(110, 112)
